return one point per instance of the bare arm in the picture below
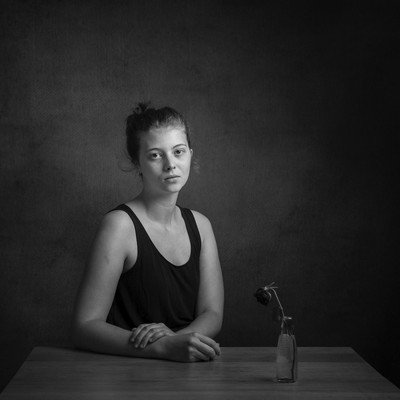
(210, 302)
(105, 265)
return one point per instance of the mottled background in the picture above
(294, 112)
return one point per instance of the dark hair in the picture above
(144, 118)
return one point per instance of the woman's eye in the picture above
(179, 152)
(154, 156)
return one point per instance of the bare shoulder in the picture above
(116, 226)
(117, 220)
(115, 240)
(203, 224)
(201, 219)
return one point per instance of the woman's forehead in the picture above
(164, 136)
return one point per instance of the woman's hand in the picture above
(189, 347)
(145, 334)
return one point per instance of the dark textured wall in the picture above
(294, 110)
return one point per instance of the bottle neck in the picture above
(287, 327)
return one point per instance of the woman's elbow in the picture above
(217, 321)
(77, 335)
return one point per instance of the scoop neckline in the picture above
(155, 247)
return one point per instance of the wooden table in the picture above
(239, 373)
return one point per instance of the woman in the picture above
(153, 284)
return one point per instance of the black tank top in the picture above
(155, 290)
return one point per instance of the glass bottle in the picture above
(286, 353)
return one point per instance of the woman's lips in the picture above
(172, 178)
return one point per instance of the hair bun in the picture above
(141, 108)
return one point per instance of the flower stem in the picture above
(280, 305)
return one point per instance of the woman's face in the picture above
(164, 159)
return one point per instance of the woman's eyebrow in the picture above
(157, 148)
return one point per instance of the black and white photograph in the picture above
(199, 199)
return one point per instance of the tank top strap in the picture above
(193, 230)
(139, 228)
(128, 210)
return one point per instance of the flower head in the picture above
(264, 296)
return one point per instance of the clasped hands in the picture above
(179, 347)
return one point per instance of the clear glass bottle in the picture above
(286, 353)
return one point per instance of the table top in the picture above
(239, 373)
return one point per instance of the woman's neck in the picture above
(161, 209)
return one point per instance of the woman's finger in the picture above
(147, 336)
(148, 333)
(154, 334)
(206, 350)
(158, 335)
(210, 343)
(139, 332)
(142, 336)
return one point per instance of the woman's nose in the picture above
(169, 164)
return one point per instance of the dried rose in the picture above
(263, 296)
